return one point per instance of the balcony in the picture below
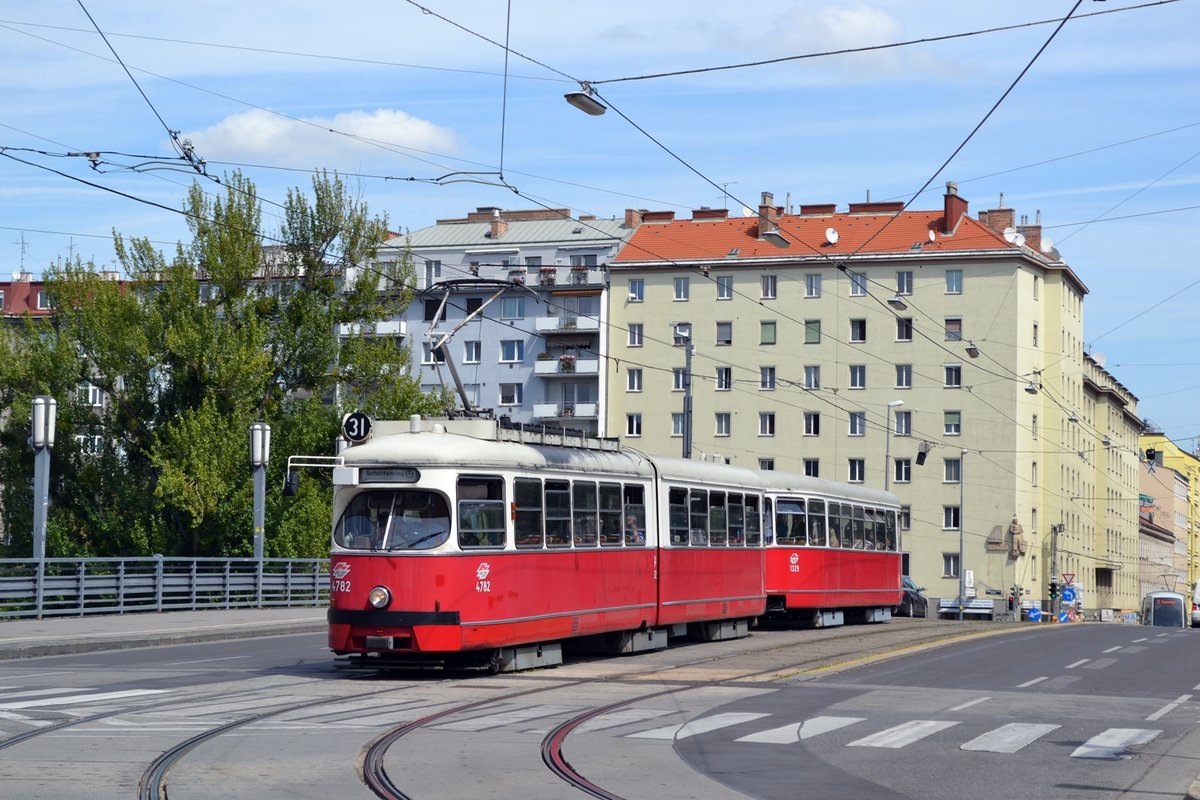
(588, 411)
(587, 367)
(392, 327)
(566, 324)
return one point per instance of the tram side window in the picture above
(635, 515)
(718, 519)
(860, 529)
(527, 496)
(869, 538)
(480, 512)
(737, 520)
(847, 517)
(880, 530)
(769, 522)
(610, 515)
(678, 507)
(789, 522)
(583, 495)
(558, 514)
(816, 523)
(893, 544)
(698, 516)
(753, 522)
(835, 525)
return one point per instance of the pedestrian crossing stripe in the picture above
(702, 725)
(903, 734)
(1009, 738)
(66, 700)
(790, 734)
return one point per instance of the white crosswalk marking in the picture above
(902, 735)
(504, 718)
(1009, 738)
(1113, 743)
(625, 716)
(78, 698)
(790, 734)
(702, 725)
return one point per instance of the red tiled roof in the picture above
(685, 240)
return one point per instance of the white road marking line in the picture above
(1027, 684)
(969, 703)
(1168, 708)
(81, 698)
(1113, 742)
(43, 692)
(1009, 738)
(702, 725)
(905, 734)
(1112, 649)
(790, 734)
(204, 661)
(1077, 663)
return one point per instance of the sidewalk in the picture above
(66, 635)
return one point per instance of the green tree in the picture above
(163, 466)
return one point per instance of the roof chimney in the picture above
(498, 225)
(954, 209)
(633, 217)
(1032, 233)
(767, 214)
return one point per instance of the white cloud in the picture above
(309, 142)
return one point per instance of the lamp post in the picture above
(41, 435)
(887, 446)
(962, 521)
(260, 454)
(683, 335)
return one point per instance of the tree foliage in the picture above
(163, 465)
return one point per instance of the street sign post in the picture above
(1068, 578)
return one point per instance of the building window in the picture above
(433, 272)
(431, 310)
(812, 423)
(858, 423)
(1033, 474)
(904, 376)
(903, 423)
(858, 376)
(633, 424)
(90, 394)
(724, 333)
(766, 423)
(904, 282)
(953, 375)
(633, 380)
(637, 290)
(769, 286)
(1035, 334)
(677, 425)
(953, 329)
(533, 261)
(949, 565)
(472, 352)
(858, 330)
(904, 518)
(766, 464)
(812, 467)
(951, 470)
(904, 329)
(903, 470)
(766, 378)
(723, 420)
(473, 305)
(678, 379)
(724, 379)
(857, 471)
(1033, 426)
(766, 332)
(635, 334)
(512, 308)
(954, 281)
(952, 423)
(681, 288)
(812, 284)
(812, 331)
(429, 357)
(812, 376)
(511, 394)
(858, 284)
(512, 351)
(724, 287)
(950, 518)
(1036, 282)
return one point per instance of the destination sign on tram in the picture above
(388, 475)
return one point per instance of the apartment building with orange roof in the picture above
(928, 352)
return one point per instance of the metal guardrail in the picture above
(80, 586)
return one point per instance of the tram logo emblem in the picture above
(794, 558)
(341, 569)
(482, 571)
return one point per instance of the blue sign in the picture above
(1035, 615)
(1068, 594)
(1063, 616)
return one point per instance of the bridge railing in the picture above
(80, 586)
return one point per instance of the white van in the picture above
(1196, 606)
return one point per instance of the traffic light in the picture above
(1151, 454)
(1011, 602)
(1053, 589)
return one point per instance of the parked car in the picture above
(913, 603)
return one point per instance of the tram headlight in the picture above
(379, 597)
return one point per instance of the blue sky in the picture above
(1101, 136)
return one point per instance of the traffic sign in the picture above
(1063, 616)
(1068, 578)
(356, 427)
(1035, 614)
(1068, 594)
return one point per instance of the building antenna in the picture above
(24, 249)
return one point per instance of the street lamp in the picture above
(42, 418)
(260, 454)
(887, 447)
(585, 100)
(683, 335)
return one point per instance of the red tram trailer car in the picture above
(468, 542)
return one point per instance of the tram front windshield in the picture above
(405, 519)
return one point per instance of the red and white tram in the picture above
(467, 542)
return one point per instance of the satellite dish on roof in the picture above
(1099, 358)
(932, 235)
(1020, 240)
(831, 235)
(1010, 234)
(747, 211)
(1057, 256)
(1047, 246)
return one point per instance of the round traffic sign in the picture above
(356, 427)
(1068, 594)
(1035, 615)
